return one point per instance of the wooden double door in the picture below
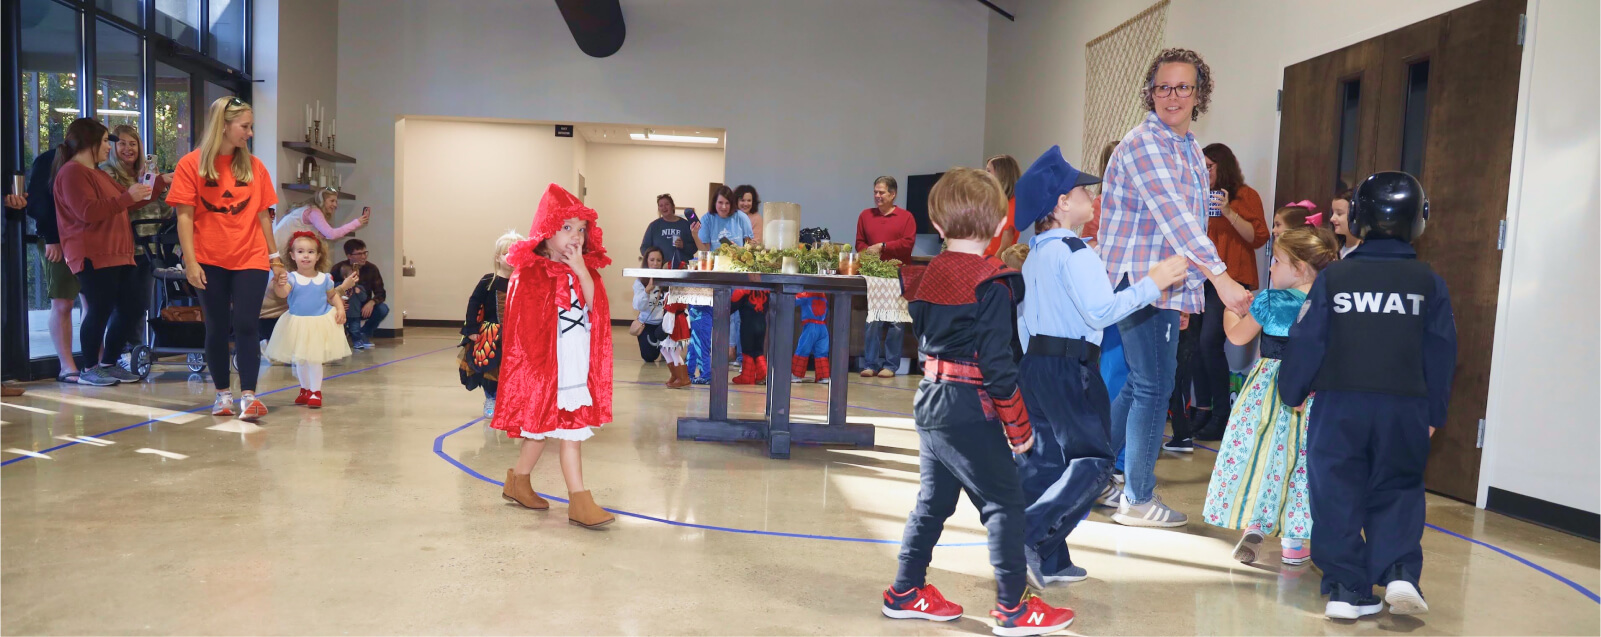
(1436, 99)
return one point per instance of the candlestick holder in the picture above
(331, 144)
(316, 132)
(308, 134)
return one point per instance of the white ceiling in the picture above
(619, 134)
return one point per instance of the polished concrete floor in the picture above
(379, 514)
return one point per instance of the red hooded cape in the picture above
(526, 400)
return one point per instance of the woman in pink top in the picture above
(97, 241)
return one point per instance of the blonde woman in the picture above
(221, 194)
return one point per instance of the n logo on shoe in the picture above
(1036, 618)
(922, 604)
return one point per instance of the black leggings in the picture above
(648, 351)
(110, 297)
(1211, 362)
(232, 299)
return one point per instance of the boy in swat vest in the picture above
(1376, 340)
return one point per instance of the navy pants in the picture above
(971, 457)
(1365, 454)
(1072, 455)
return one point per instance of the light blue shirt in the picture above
(309, 297)
(734, 227)
(1066, 291)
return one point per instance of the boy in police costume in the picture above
(1377, 342)
(1069, 302)
(968, 411)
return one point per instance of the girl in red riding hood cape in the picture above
(556, 365)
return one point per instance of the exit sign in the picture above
(564, 130)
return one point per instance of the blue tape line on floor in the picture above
(208, 406)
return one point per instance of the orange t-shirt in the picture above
(227, 232)
(1093, 226)
(1011, 224)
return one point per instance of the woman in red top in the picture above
(1238, 232)
(1005, 170)
(221, 194)
(97, 241)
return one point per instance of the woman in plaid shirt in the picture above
(1153, 206)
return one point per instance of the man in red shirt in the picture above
(888, 231)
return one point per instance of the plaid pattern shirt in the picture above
(1153, 206)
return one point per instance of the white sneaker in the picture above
(1404, 598)
(1111, 496)
(224, 404)
(796, 379)
(1153, 513)
(1245, 552)
(1352, 610)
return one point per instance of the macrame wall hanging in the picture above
(1117, 61)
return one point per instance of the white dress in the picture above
(572, 352)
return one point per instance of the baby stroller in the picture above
(174, 317)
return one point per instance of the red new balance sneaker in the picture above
(314, 401)
(304, 394)
(919, 603)
(1032, 617)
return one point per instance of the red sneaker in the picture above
(1032, 617)
(314, 401)
(304, 394)
(919, 603)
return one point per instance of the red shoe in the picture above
(1032, 617)
(919, 603)
(314, 400)
(304, 394)
(747, 372)
(761, 370)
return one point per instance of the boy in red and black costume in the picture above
(752, 308)
(968, 410)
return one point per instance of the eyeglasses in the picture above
(358, 253)
(1164, 90)
(235, 102)
(330, 190)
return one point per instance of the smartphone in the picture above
(689, 213)
(366, 210)
(149, 178)
(1213, 208)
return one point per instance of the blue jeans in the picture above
(884, 342)
(1072, 456)
(1139, 416)
(355, 325)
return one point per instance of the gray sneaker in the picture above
(1111, 496)
(117, 372)
(1152, 513)
(98, 377)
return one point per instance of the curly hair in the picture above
(1203, 79)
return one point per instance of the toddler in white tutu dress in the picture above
(310, 334)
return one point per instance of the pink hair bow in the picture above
(1304, 203)
(1316, 221)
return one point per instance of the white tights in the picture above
(672, 354)
(310, 375)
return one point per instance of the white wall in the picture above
(457, 202)
(818, 97)
(302, 38)
(623, 183)
(1542, 430)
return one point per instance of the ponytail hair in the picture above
(1310, 245)
(82, 134)
(1293, 216)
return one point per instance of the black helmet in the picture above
(1389, 205)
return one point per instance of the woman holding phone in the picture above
(97, 242)
(129, 165)
(222, 194)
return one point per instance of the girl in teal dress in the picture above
(1258, 485)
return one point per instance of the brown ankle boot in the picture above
(680, 376)
(520, 490)
(582, 510)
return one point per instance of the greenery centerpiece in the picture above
(752, 257)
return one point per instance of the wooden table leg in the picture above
(839, 352)
(718, 356)
(782, 333)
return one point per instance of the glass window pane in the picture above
(119, 74)
(179, 20)
(48, 60)
(1350, 112)
(173, 135)
(227, 44)
(1415, 123)
(130, 10)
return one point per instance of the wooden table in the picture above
(777, 431)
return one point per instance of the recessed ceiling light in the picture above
(657, 137)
